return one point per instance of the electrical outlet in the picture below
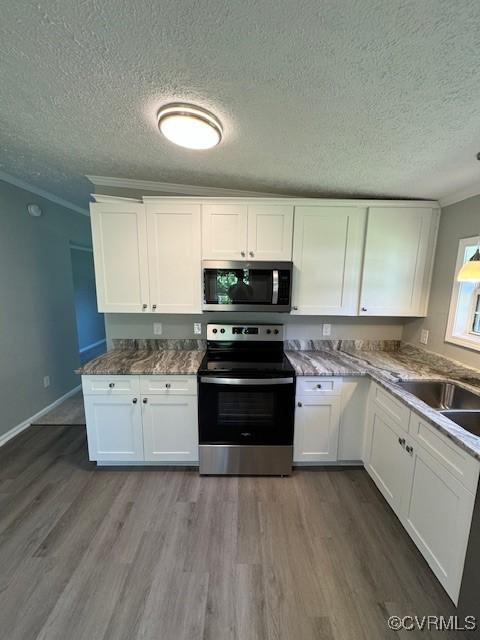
(424, 336)
(197, 328)
(327, 329)
(46, 381)
(157, 328)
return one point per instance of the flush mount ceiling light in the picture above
(189, 126)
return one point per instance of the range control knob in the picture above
(269, 331)
(222, 330)
(275, 331)
(215, 330)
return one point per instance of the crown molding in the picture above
(175, 189)
(21, 184)
(461, 194)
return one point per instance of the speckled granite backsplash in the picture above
(159, 344)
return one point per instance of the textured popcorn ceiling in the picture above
(347, 97)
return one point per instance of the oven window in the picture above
(243, 408)
(238, 286)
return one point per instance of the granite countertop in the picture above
(145, 362)
(388, 367)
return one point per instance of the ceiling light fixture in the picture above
(189, 126)
(470, 271)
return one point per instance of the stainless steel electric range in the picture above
(246, 401)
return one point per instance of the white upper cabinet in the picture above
(119, 248)
(174, 260)
(224, 231)
(247, 232)
(327, 257)
(399, 252)
(270, 229)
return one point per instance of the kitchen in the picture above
(280, 437)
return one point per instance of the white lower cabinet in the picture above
(433, 504)
(159, 424)
(317, 420)
(114, 428)
(170, 431)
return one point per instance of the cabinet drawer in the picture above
(397, 411)
(319, 386)
(111, 385)
(458, 462)
(168, 385)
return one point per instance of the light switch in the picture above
(327, 329)
(157, 328)
(424, 336)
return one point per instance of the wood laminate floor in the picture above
(126, 554)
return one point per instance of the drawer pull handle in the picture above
(145, 400)
(167, 385)
(144, 306)
(135, 400)
(154, 306)
(111, 385)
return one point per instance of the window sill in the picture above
(463, 341)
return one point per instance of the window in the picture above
(463, 326)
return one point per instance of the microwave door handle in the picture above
(275, 286)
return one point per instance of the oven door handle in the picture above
(275, 286)
(253, 382)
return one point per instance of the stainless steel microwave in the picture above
(246, 286)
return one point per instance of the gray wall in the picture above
(90, 323)
(37, 318)
(457, 221)
(181, 326)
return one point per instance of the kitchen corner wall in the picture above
(459, 220)
(123, 325)
(38, 335)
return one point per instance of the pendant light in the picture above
(470, 271)
(189, 126)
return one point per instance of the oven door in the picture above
(246, 286)
(246, 411)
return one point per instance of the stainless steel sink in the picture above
(442, 395)
(469, 420)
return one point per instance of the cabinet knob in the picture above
(299, 404)
(409, 450)
(319, 386)
(135, 400)
(111, 385)
(251, 254)
(167, 385)
(364, 308)
(144, 306)
(401, 442)
(295, 308)
(242, 253)
(154, 306)
(145, 400)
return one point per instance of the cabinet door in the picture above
(224, 231)
(114, 428)
(170, 428)
(316, 429)
(174, 242)
(387, 462)
(120, 254)
(270, 230)
(327, 257)
(437, 517)
(399, 253)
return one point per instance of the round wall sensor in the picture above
(34, 210)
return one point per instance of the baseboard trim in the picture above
(93, 345)
(4, 438)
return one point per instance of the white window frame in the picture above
(462, 303)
